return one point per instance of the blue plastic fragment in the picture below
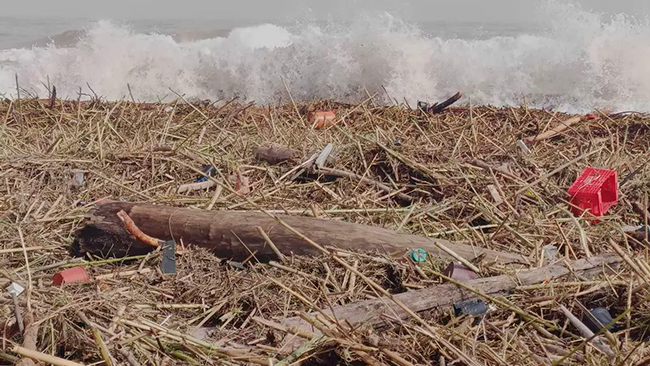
(418, 255)
(209, 171)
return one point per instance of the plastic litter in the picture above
(522, 145)
(471, 308)
(237, 265)
(323, 119)
(459, 272)
(595, 190)
(70, 275)
(418, 255)
(168, 264)
(15, 289)
(597, 318)
(79, 179)
(322, 157)
(550, 253)
(207, 170)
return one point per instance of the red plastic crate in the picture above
(595, 190)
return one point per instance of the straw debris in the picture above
(459, 175)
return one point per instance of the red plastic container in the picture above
(595, 190)
(74, 274)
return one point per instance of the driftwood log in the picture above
(371, 312)
(235, 235)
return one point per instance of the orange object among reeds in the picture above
(74, 274)
(323, 119)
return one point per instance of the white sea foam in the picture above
(581, 61)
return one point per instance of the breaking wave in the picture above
(580, 61)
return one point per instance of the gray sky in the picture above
(419, 10)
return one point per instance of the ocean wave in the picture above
(581, 61)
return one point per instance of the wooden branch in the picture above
(554, 131)
(439, 107)
(52, 101)
(30, 338)
(219, 231)
(133, 229)
(371, 312)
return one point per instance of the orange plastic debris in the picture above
(323, 119)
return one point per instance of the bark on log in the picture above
(224, 232)
(370, 311)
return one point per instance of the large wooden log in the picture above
(371, 312)
(234, 234)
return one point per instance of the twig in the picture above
(462, 260)
(556, 170)
(554, 131)
(130, 226)
(17, 314)
(129, 356)
(103, 350)
(30, 338)
(43, 357)
(383, 187)
(439, 107)
(293, 102)
(597, 341)
(270, 243)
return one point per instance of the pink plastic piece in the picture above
(74, 274)
(595, 190)
(459, 272)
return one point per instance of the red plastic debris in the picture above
(591, 116)
(74, 274)
(595, 190)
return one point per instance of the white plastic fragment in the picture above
(79, 179)
(322, 157)
(550, 253)
(15, 289)
(523, 146)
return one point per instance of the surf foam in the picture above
(581, 61)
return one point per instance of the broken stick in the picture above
(439, 107)
(371, 312)
(554, 131)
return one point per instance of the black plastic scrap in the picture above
(470, 307)
(168, 264)
(598, 318)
